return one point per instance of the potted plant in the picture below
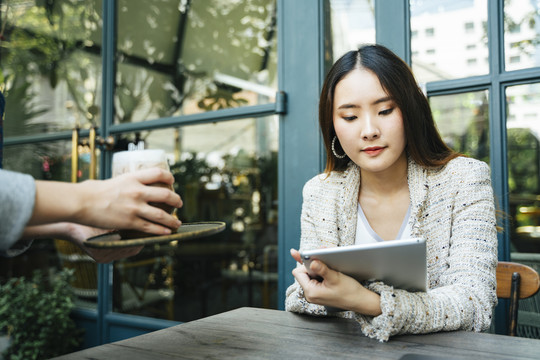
(35, 314)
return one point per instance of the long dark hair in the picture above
(424, 143)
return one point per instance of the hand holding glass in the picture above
(130, 161)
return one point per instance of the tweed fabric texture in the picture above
(452, 208)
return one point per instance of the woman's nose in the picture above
(370, 129)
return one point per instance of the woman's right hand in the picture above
(332, 288)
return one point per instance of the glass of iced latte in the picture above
(133, 160)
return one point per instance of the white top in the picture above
(365, 234)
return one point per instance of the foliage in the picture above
(192, 169)
(35, 314)
(523, 161)
(527, 22)
(220, 98)
(21, 110)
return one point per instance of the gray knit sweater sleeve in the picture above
(17, 197)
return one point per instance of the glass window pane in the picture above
(523, 134)
(448, 39)
(463, 121)
(51, 65)
(49, 160)
(523, 157)
(52, 161)
(176, 57)
(521, 34)
(352, 23)
(224, 171)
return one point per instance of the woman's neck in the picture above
(384, 197)
(386, 182)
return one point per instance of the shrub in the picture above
(35, 313)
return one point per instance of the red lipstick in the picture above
(373, 150)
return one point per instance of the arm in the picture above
(294, 297)
(117, 203)
(462, 258)
(319, 229)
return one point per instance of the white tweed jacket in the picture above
(452, 207)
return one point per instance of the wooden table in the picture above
(250, 333)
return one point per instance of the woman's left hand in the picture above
(335, 289)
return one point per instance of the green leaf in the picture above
(36, 314)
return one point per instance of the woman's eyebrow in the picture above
(381, 100)
(354, 106)
(348, 106)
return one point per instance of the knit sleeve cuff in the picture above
(383, 326)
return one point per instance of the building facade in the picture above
(229, 89)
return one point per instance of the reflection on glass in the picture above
(352, 23)
(52, 161)
(521, 34)
(227, 172)
(51, 65)
(182, 57)
(47, 161)
(462, 120)
(523, 134)
(448, 39)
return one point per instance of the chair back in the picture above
(515, 281)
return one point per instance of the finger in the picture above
(158, 216)
(296, 255)
(319, 268)
(153, 228)
(153, 175)
(298, 270)
(181, 202)
(162, 195)
(312, 287)
(152, 224)
(301, 275)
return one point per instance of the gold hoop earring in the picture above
(334, 149)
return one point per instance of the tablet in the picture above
(400, 263)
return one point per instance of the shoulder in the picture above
(462, 169)
(329, 182)
(466, 164)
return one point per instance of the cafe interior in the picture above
(228, 89)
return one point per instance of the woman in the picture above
(389, 176)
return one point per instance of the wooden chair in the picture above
(529, 309)
(515, 281)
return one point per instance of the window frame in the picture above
(301, 70)
(103, 325)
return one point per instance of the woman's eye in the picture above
(348, 118)
(386, 112)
